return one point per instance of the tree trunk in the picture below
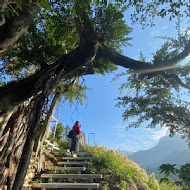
(11, 145)
(15, 93)
(40, 136)
(4, 119)
(18, 140)
(35, 116)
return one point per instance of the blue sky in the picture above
(99, 114)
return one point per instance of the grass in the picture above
(117, 170)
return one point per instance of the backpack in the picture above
(71, 134)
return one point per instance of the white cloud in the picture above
(136, 139)
(156, 135)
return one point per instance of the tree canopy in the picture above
(160, 98)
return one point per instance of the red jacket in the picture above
(77, 129)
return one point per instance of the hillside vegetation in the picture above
(119, 172)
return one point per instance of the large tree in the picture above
(70, 39)
(160, 98)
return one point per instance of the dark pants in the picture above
(74, 144)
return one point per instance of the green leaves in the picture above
(146, 12)
(183, 172)
(158, 99)
(51, 35)
(76, 93)
(11, 11)
(167, 169)
(59, 131)
(110, 26)
(45, 4)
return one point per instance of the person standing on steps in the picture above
(75, 140)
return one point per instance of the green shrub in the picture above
(153, 183)
(116, 169)
(169, 186)
(63, 144)
(120, 173)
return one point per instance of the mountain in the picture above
(126, 153)
(168, 150)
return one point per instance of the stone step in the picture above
(75, 159)
(66, 185)
(72, 176)
(65, 151)
(73, 163)
(59, 151)
(78, 154)
(70, 168)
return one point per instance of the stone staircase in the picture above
(69, 171)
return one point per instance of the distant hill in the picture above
(168, 150)
(126, 153)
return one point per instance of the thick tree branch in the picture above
(64, 68)
(121, 60)
(26, 87)
(138, 66)
(142, 67)
(84, 25)
(178, 57)
(14, 27)
(170, 64)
